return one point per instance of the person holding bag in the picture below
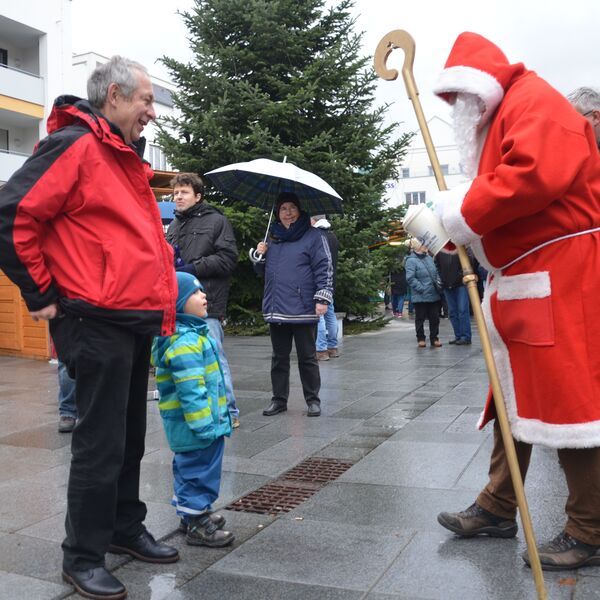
(425, 285)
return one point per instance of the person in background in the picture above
(195, 416)
(457, 296)
(67, 411)
(298, 274)
(586, 101)
(205, 246)
(422, 278)
(81, 235)
(399, 289)
(327, 330)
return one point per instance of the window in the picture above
(415, 197)
(3, 57)
(4, 140)
(405, 173)
(157, 158)
(443, 167)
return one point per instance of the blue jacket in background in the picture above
(420, 271)
(190, 382)
(297, 274)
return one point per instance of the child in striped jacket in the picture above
(194, 411)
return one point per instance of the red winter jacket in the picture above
(79, 225)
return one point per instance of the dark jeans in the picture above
(431, 312)
(458, 311)
(110, 364)
(304, 335)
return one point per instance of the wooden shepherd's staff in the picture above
(402, 39)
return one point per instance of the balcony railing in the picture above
(21, 85)
(10, 162)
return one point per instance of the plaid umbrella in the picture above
(260, 181)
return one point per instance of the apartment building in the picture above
(417, 183)
(35, 67)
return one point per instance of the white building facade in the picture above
(417, 183)
(35, 67)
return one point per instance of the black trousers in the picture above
(304, 336)
(431, 312)
(110, 366)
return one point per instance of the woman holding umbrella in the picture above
(298, 288)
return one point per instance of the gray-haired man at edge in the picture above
(81, 235)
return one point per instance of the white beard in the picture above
(466, 115)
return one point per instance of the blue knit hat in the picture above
(187, 285)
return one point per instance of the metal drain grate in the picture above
(273, 498)
(285, 493)
(318, 470)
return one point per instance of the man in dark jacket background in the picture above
(205, 246)
(80, 234)
(457, 297)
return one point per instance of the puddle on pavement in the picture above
(161, 585)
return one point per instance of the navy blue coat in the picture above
(298, 274)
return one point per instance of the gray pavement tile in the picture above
(465, 569)
(588, 587)
(235, 485)
(292, 450)
(316, 553)
(214, 585)
(246, 444)
(24, 503)
(358, 441)
(156, 482)
(32, 557)
(343, 452)
(20, 587)
(296, 423)
(412, 464)
(397, 508)
(446, 437)
(254, 466)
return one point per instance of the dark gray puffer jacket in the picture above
(205, 237)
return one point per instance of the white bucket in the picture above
(420, 221)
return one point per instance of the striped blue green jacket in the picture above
(190, 383)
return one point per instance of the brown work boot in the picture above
(203, 531)
(565, 552)
(322, 355)
(333, 353)
(476, 520)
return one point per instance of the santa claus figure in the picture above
(531, 214)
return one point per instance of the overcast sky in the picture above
(559, 40)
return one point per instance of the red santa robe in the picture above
(532, 217)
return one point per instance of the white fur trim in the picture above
(532, 431)
(473, 81)
(480, 255)
(527, 285)
(454, 222)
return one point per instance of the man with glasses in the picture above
(586, 100)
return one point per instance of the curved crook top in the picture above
(394, 39)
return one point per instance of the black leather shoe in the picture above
(454, 341)
(274, 408)
(95, 583)
(314, 410)
(463, 342)
(146, 548)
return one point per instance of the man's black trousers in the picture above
(110, 366)
(304, 336)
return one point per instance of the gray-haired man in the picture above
(81, 235)
(586, 100)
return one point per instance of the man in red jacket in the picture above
(81, 235)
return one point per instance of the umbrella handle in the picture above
(256, 257)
